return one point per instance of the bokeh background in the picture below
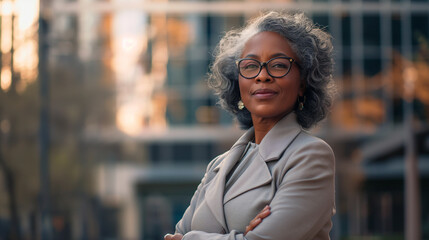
(107, 123)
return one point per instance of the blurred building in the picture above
(147, 125)
(166, 126)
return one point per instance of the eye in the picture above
(250, 66)
(279, 66)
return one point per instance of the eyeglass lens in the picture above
(277, 67)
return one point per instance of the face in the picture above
(265, 96)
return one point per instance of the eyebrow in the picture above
(272, 56)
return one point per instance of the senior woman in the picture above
(277, 180)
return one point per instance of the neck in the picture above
(263, 125)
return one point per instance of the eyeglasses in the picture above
(276, 67)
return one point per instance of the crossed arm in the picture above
(252, 225)
(301, 208)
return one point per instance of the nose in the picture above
(263, 76)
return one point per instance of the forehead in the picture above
(265, 44)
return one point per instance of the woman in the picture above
(277, 181)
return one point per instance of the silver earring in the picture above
(301, 103)
(240, 105)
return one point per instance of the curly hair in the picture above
(312, 46)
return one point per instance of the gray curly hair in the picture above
(313, 48)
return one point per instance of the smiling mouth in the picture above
(264, 93)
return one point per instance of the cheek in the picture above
(294, 82)
(291, 90)
(243, 86)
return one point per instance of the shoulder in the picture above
(306, 141)
(216, 161)
(307, 158)
(311, 151)
(213, 166)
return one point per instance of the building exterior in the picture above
(151, 125)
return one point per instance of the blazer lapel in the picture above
(257, 171)
(271, 148)
(215, 192)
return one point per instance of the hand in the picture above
(258, 219)
(176, 236)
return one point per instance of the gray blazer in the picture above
(293, 172)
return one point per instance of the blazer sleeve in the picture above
(304, 201)
(184, 225)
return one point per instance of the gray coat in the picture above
(293, 172)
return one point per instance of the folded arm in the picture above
(302, 205)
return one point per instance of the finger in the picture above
(177, 236)
(264, 213)
(247, 230)
(255, 222)
(258, 219)
(264, 210)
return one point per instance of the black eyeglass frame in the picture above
(262, 64)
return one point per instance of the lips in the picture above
(264, 93)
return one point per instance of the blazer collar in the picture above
(236, 150)
(274, 143)
(279, 137)
(271, 148)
